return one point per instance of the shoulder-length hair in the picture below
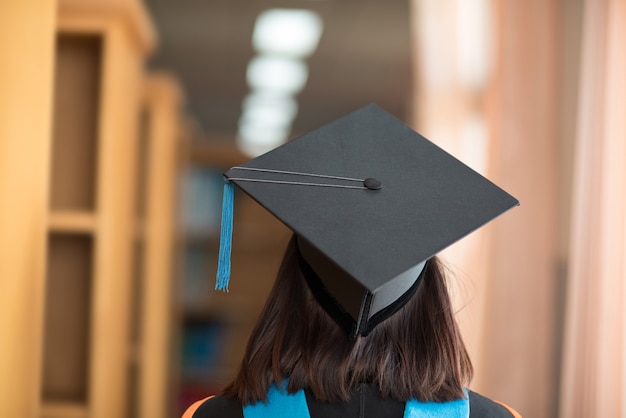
(417, 353)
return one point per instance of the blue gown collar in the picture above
(281, 404)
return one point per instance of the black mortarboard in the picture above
(370, 201)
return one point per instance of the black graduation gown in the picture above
(365, 402)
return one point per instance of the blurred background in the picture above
(117, 118)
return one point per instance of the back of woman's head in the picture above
(416, 353)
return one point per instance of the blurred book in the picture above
(202, 349)
(198, 277)
(202, 201)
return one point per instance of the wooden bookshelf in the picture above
(26, 86)
(101, 46)
(88, 213)
(163, 102)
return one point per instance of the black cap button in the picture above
(372, 184)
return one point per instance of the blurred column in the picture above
(593, 381)
(27, 29)
(163, 102)
(127, 35)
(453, 62)
(487, 91)
(521, 322)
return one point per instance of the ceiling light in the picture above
(293, 32)
(255, 138)
(267, 116)
(259, 133)
(269, 109)
(279, 74)
(272, 99)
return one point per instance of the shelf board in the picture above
(72, 221)
(63, 410)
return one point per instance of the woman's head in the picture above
(416, 353)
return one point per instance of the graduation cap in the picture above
(370, 201)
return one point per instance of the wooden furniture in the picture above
(90, 156)
(100, 50)
(157, 220)
(26, 84)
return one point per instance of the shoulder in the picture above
(214, 406)
(482, 407)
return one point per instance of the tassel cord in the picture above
(226, 237)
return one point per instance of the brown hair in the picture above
(417, 353)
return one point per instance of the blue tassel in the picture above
(226, 237)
